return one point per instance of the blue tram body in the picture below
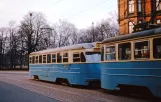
(78, 64)
(146, 73)
(135, 71)
(78, 74)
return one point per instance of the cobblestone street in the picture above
(63, 92)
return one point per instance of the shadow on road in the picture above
(132, 95)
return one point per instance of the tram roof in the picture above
(71, 47)
(134, 35)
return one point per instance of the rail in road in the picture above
(62, 92)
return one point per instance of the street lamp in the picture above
(93, 35)
(30, 23)
(30, 14)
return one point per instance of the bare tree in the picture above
(65, 31)
(102, 30)
(13, 42)
(31, 33)
(31, 29)
(3, 40)
(85, 36)
(34, 33)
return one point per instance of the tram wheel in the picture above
(58, 81)
(62, 81)
(36, 77)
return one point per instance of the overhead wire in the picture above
(58, 1)
(88, 8)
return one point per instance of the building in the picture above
(134, 12)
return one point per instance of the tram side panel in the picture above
(36, 69)
(80, 73)
(142, 73)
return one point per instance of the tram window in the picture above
(49, 58)
(83, 59)
(142, 49)
(40, 59)
(53, 58)
(157, 48)
(59, 58)
(44, 58)
(30, 60)
(110, 53)
(33, 59)
(124, 51)
(76, 57)
(92, 53)
(37, 59)
(65, 57)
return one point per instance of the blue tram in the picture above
(132, 61)
(76, 64)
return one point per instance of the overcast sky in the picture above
(79, 12)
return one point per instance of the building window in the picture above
(65, 57)
(158, 5)
(131, 6)
(110, 53)
(40, 59)
(59, 57)
(142, 49)
(44, 58)
(157, 48)
(124, 51)
(139, 6)
(139, 22)
(49, 58)
(131, 26)
(158, 21)
(53, 58)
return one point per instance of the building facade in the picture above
(133, 12)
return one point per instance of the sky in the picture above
(79, 12)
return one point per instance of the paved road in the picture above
(12, 93)
(19, 82)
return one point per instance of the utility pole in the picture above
(102, 31)
(29, 39)
(30, 34)
(93, 33)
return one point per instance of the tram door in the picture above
(93, 58)
(48, 65)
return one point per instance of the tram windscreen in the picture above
(157, 48)
(83, 59)
(102, 54)
(93, 56)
